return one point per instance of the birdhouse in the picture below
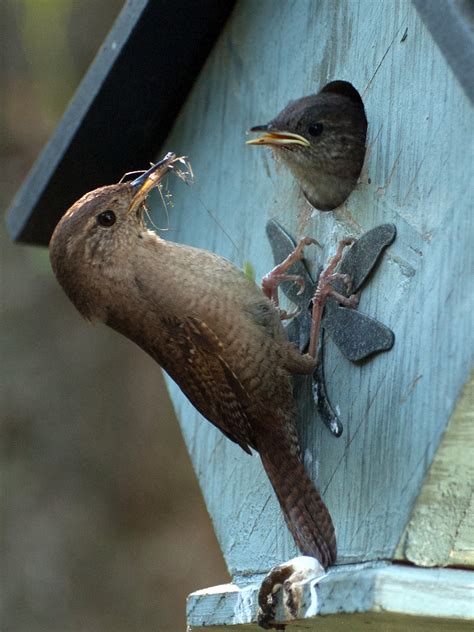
(398, 480)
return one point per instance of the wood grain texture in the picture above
(417, 175)
(382, 622)
(441, 528)
(389, 596)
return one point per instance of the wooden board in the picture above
(392, 598)
(441, 528)
(418, 175)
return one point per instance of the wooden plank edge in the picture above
(440, 531)
(358, 588)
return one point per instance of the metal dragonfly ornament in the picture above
(357, 335)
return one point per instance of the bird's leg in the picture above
(324, 289)
(270, 289)
(272, 280)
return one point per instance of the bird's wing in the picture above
(200, 370)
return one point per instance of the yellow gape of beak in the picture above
(277, 138)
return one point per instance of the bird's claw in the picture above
(353, 300)
(311, 241)
(345, 278)
(284, 315)
(300, 281)
(278, 274)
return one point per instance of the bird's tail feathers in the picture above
(306, 515)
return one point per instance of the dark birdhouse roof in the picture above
(123, 109)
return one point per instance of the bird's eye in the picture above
(106, 218)
(316, 129)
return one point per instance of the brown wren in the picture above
(321, 139)
(209, 327)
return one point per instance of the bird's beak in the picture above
(151, 178)
(276, 137)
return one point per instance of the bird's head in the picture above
(321, 138)
(99, 233)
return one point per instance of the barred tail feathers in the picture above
(306, 515)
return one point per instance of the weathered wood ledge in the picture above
(393, 595)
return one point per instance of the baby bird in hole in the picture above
(321, 139)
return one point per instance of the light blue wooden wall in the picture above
(417, 175)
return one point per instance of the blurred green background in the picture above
(103, 524)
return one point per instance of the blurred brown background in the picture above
(103, 524)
